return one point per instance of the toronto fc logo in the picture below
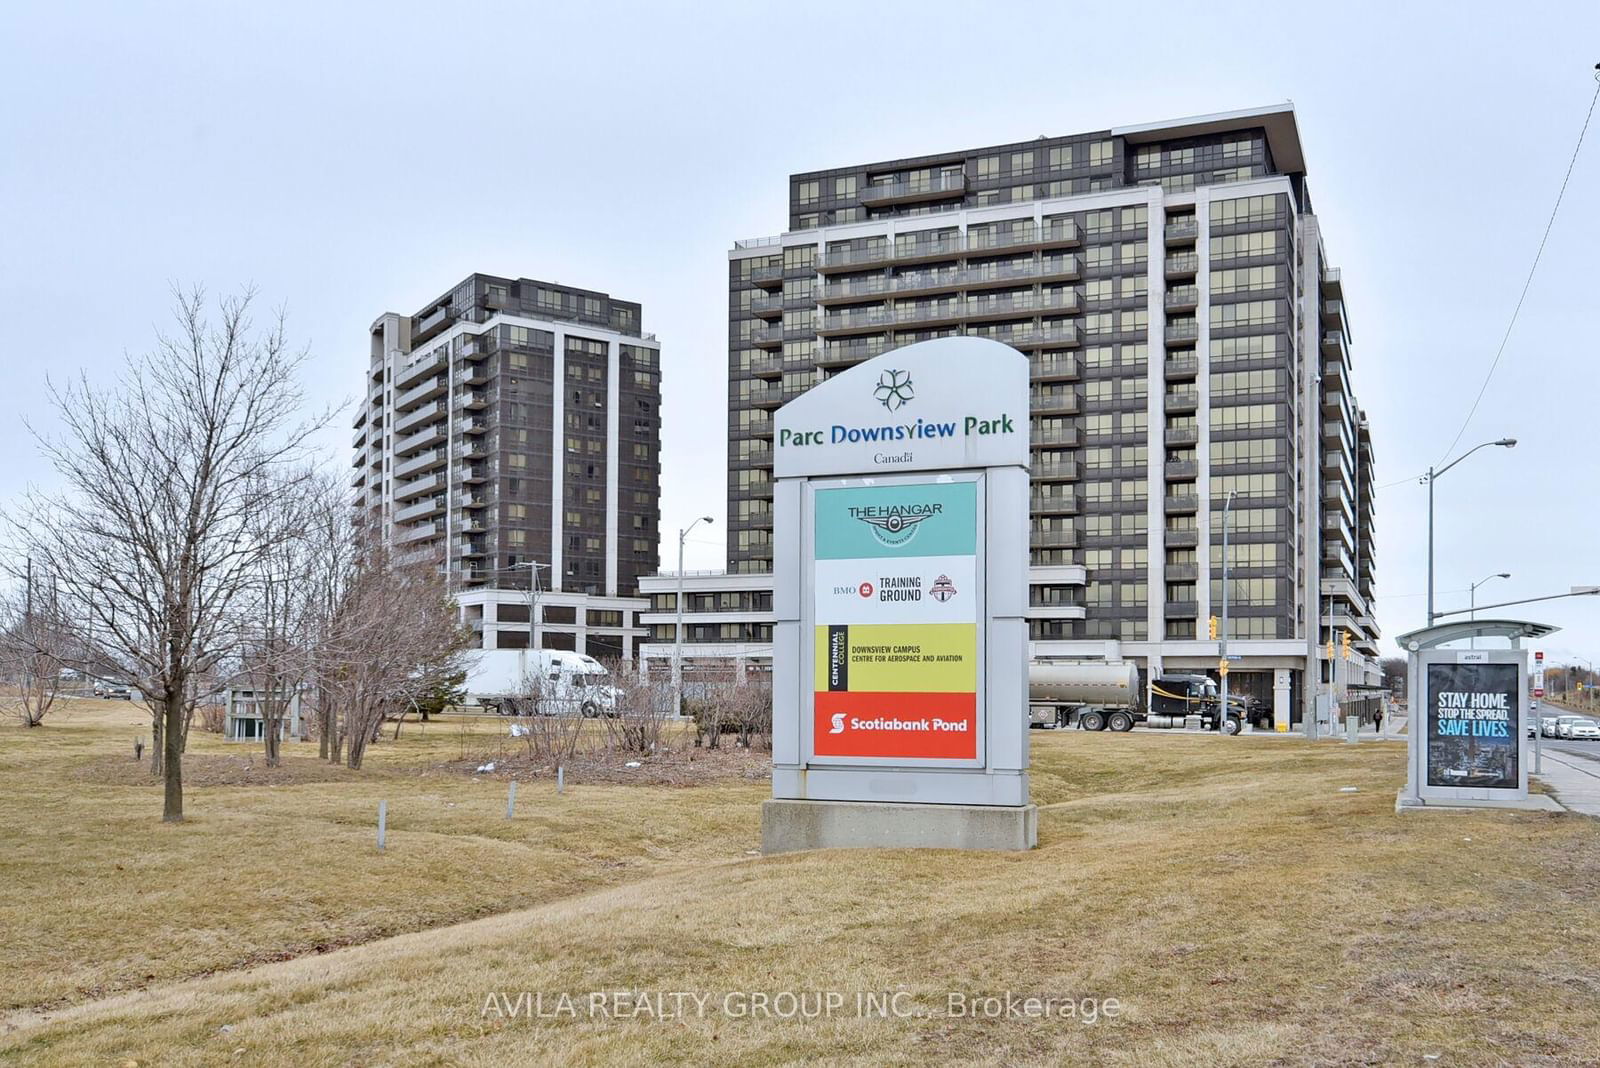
(942, 589)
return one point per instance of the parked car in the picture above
(1585, 729)
(112, 691)
(1547, 726)
(1564, 724)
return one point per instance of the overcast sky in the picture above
(349, 159)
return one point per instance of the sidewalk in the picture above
(1574, 780)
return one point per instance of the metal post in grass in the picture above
(511, 799)
(561, 778)
(383, 821)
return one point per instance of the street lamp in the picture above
(1433, 476)
(677, 633)
(1472, 601)
(1222, 652)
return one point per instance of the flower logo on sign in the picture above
(894, 389)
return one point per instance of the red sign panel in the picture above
(901, 725)
(1538, 691)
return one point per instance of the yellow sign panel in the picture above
(897, 658)
(1222, 666)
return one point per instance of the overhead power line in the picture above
(1529, 281)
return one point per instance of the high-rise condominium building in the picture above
(512, 428)
(1188, 341)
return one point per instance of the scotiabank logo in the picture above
(910, 726)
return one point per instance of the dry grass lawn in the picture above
(1239, 906)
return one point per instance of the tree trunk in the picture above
(323, 728)
(272, 737)
(172, 808)
(156, 749)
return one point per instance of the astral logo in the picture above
(838, 723)
(895, 525)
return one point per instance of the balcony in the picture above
(1060, 268)
(1182, 332)
(471, 523)
(942, 247)
(1041, 336)
(940, 187)
(1054, 435)
(474, 448)
(1054, 503)
(1181, 539)
(421, 439)
(1053, 401)
(472, 374)
(418, 417)
(876, 254)
(1181, 470)
(767, 277)
(1181, 298)
(467, 547)
(421, 510)
(426, 364)
(1058, 233)
(853, 351)
(1182, 609)
(475, 425)
(1184, 263)
(1182, 572)
(422, 391)
(1177, 436)
(418, 533)
(478, 348)
(424, 328)
(1182, 400)
(1053, 366)
(767, 307)
(472, 399)
(855, 289)
(405, 491)
(767, 396)
(1181, 231)
(767, 337)
(472, 474)
(1061, 471)
(857, 320)
(1182, 503)
(1053, 539)
(1185, 366)
(429, 459)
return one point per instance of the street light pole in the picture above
(1472, 600)
(533, 567)
(1433, 476)
(677, 631)
(1222, 666)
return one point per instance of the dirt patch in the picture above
(205, 769)
(685, 766)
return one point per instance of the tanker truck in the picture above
(1105, 694)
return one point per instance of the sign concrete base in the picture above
(788, 825)
(1531, 803)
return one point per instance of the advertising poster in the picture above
(896, 614)
(1473, 728)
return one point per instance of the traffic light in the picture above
(1344, 644)
(1213, 628)
(1330, 647)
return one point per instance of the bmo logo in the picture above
(865, 589)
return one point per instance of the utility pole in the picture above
(677, 631)
(1432, 476)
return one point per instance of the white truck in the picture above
(547, 682)
(1105, 694)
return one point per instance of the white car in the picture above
(1547, 726)
(1585, 729)
(1564, 724)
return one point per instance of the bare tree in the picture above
(36, 645)
(149, 540)
(640, 709)
(393, 638)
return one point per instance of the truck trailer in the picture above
(1100, 695)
